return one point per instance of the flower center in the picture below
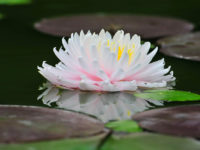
(129, 49)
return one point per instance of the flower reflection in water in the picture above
(104, 106)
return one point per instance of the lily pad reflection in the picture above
(104, 106)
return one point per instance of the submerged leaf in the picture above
(168, 95)
(124, 126)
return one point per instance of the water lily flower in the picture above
(100, 62)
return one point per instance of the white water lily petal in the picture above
(98, 62)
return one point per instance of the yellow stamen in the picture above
(99, 45)
(108, 42)
(120, 53)
(130, 51)
(129, 113)
(130, 54)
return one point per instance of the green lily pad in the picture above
(22, 124)
(149, 141)
(145, 26)
(168, 95)
(14, 2)
(184, 46)
(179, 121)
(124, 126)
(89, 143)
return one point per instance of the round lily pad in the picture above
(146, 26)
(19, 124)
(185, 46)
(179, 121)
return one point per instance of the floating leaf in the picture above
(184, 46)
(149, 141)
(179, 121)
(21, 124)
(168, 95)
(14, 2)
(124, 126)
(90, 143)
(146, 26)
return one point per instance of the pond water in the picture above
(23, 48)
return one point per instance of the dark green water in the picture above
(22, 48)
